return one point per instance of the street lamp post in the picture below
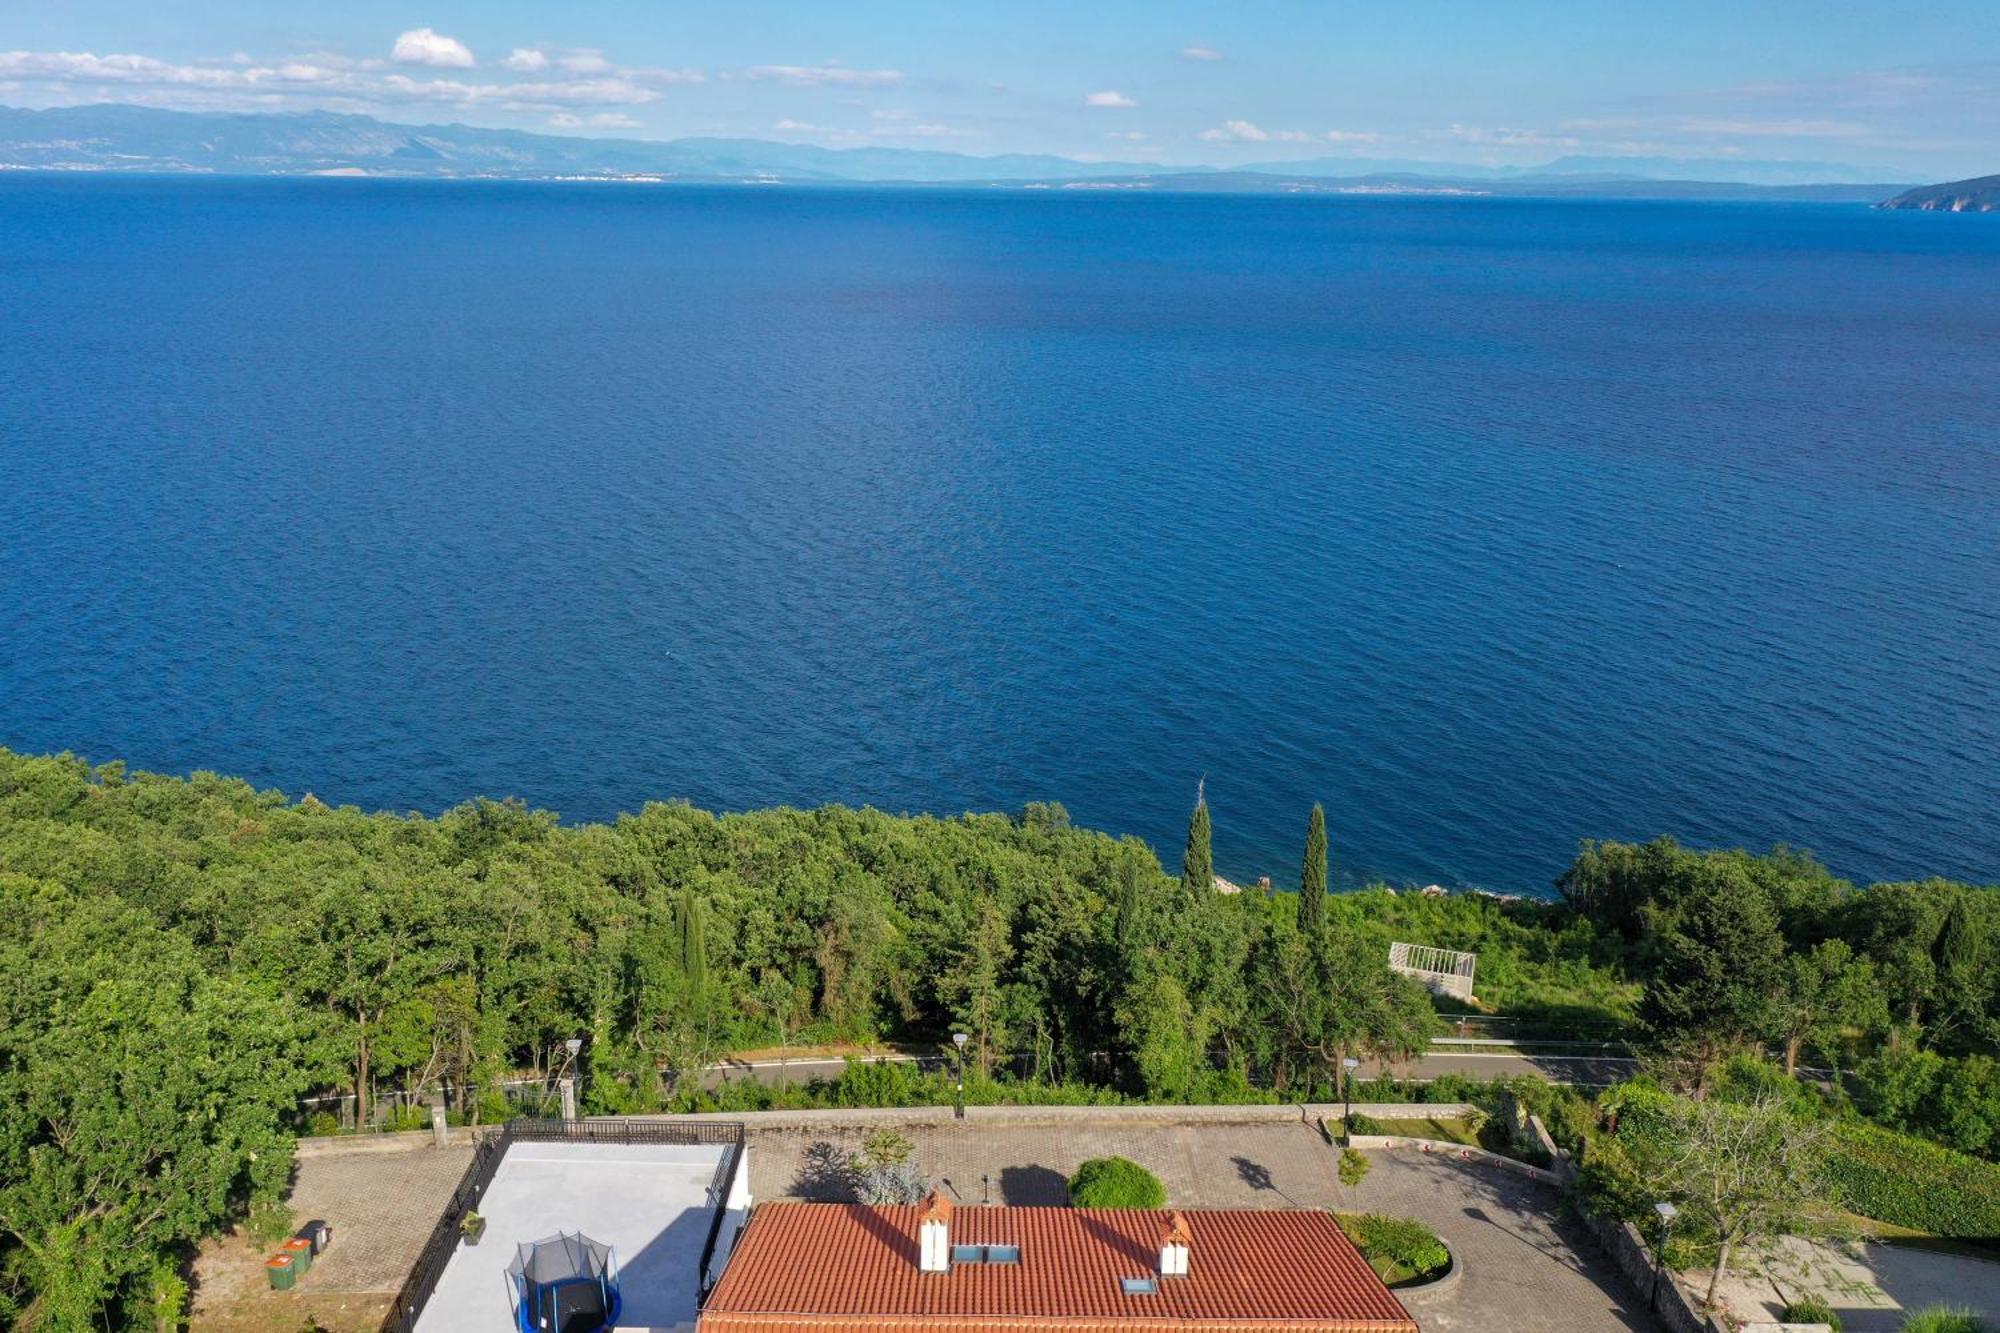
(1667, 1214)
(1347, 1067)
(958, 1106)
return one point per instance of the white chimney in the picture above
(934, 1235)
(1174, 1246)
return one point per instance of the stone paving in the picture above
(1872, 1287)
(381, 1206)
(1523, 1269)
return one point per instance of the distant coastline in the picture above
(117, 138)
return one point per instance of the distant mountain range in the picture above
(111, 137)
(1978, 195)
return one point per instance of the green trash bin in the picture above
(301, 1251)
(282, 1270)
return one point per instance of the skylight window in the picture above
(986, 1254)
(1139, 1286)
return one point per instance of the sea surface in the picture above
(1493, 525)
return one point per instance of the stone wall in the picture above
(1629, 1251)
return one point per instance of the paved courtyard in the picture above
(1524, 1270)
(381, 1205)
(1871, 1286)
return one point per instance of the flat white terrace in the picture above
(649, 1202)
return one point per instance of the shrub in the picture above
(886, 1171)
(1358, 1123)
(322, 1124)
(1353, 1167)
(1909, 1182)
(1399, 1249)
(268, 1223)
(1812, 1310)
(1944, 1319)
(1115, 1182)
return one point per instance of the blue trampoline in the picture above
(566, 1283)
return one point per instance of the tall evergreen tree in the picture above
(1312, 876)
(1198, 863)
(1128, 901)
(694, 944)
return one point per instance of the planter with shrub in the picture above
(1402, 1251)
(1812, 1310)
(471, 1227)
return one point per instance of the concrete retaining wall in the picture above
(1310, 1113)
(1457, 1152)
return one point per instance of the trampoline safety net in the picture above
(565, 1283)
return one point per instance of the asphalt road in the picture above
(1584, 1070)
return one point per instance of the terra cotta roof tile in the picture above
(821, 1267)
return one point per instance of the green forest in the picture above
(189, 959)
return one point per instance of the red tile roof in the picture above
(821, 1267)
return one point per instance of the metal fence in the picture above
(1445, 971)
(492, 1147)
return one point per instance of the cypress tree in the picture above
(1198, 863)
(694, 948)
(1128, 901)
(1312, 876)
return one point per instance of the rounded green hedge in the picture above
(1115, 1182)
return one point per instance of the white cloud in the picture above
(586, 61)
(314, 80)
(1200, 53)
(1507, 138)
(603, 120)
(1351, 136)
(816, 76)
(1127, 136)
(526, 60)
(1243, 131)
(1109, 97)
(795, 126)
(427, 46)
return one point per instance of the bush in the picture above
(1358, 1123)
(1812, 1310)
(1115, 1182)
(1909, 1182)
(1353, 1167)
(1399, 1249)
(322, 1124)
(1944, 1319)
(886, 1170)
(268, 1223)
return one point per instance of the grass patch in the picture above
(1446, 1131)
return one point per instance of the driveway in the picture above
(1523, 1269)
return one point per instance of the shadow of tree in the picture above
(824, 1175)
(1033, 1186)
(1258, 1177)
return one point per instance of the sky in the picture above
(1913, 89)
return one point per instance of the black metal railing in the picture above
(492, 1147)
(719, 1190)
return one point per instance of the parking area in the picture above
(1523, 1268)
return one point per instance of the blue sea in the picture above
(1492, 524)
